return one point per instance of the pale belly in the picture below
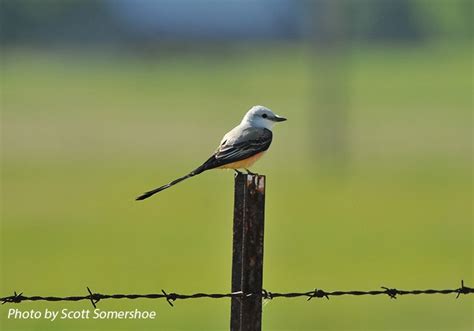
(243, 164)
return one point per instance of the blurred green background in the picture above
(369, 182)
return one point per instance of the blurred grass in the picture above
(83, 134)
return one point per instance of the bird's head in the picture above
(262, 117)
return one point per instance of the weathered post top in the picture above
(247, 252)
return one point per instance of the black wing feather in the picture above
(229, 153)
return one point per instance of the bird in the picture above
(240, 148)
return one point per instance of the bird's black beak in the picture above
(279, 118)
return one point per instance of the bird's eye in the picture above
(264, 116)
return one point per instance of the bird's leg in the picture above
(251, 173)
(237, 172)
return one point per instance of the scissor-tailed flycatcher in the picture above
(240, 148)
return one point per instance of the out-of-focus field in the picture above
(83, 134)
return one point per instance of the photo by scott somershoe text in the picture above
(84, 314)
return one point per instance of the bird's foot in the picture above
(251, 173)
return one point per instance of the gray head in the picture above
(261, 117)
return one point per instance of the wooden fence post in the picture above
(247, 252)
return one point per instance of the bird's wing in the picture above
(237, 145)
(243, 144)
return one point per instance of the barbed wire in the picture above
(94, 298)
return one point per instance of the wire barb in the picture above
(391, 292)
(169, 297)
(15, 298)
(93, 297)
(267, 294)
(463, 290)
(318, 294)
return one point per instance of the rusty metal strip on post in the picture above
(247, 253)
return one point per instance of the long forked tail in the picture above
(176, 181)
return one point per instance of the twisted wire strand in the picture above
(94, 298)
